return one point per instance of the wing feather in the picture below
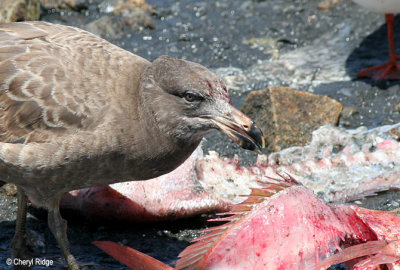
(17, 31)
(51, 80)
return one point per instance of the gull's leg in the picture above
(391, 69)
(18, 243)
(58, 227)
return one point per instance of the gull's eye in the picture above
(191, 97)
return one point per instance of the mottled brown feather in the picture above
(47, 73)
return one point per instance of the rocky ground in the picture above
(251, 44)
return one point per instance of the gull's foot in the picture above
(20, 252)
(19, 248)
(389, 71)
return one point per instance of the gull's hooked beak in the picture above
(241, 129)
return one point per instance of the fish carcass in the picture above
(285, 226)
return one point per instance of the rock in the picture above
(132, 14)
(395, 132)
(348, 112)
(106, 27)
(136, 13)
(346, 116)
(19, 10)
(108, 6)
(65, 4)
(132, 4)
(10, 190)
(267, 42)
(326, 5)
(288, 117)
(397, 107)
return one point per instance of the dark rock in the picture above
(287, 117)
(19, 10)
(65, 4)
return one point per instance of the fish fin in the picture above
(132, 258)
(193, 256)
(378, 259)
(285, 178)
(384, 252)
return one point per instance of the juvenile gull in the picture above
(77, 111)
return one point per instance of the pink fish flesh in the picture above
(291, 229)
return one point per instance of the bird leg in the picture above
(58, 227)
(18, 243)
(391, 69)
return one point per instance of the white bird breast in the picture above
(380, 6)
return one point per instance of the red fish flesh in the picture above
(289, 229)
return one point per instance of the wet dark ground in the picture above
(217, 34)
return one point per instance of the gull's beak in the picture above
(241, 129)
